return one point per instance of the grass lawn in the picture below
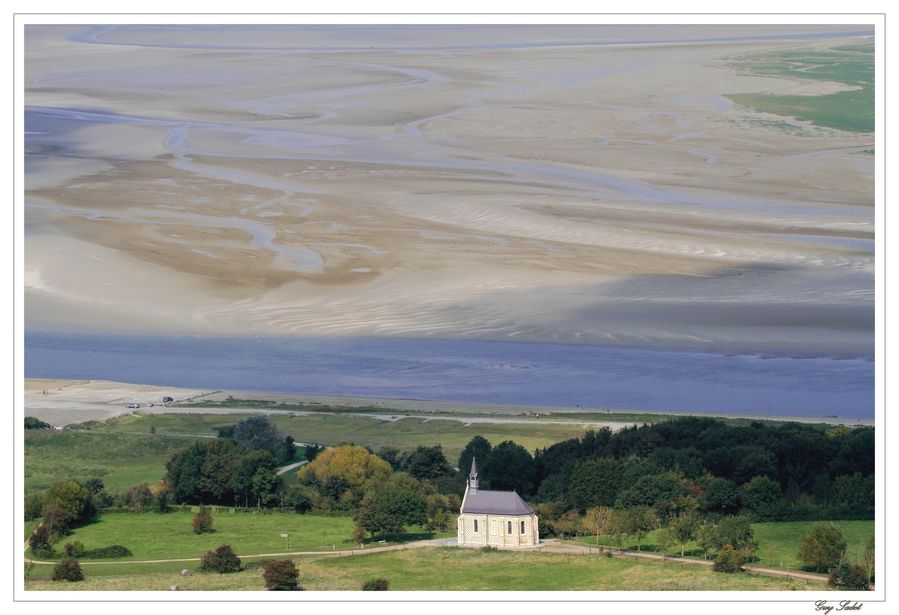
(778, 542)
(168, 536)
(445, 569)
(331, 429)
(120, 460)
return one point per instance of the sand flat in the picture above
(247, 184)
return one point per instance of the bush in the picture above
(281, 575)
(849, 576)
(74, 549)
(729, 560)
(488, 548)
(376, 585)
(202, 522)
(68, 570)
(111, 552)
(223, 560)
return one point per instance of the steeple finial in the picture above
(473, 476)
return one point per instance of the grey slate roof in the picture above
(488, 502)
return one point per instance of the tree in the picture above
(222, 560)
(74, 549)
(391, 455)
(427, 463)
(868, 558)
(721, 496)
(281, 575)
(684, 527)
(68, 570)
(478, 448)
(761, 496)
(822, 546)
(639, 521)
(257, 432)
(202, 521)
(343, 474)
(599, 520)
(389, 510)
(664, 540)
(510, 467)
(33, 505)
(70, 503)
(595, 483)
(286, 451)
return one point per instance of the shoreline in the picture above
(68, 402)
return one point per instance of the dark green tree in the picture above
(595, 483)
(389, 510)
(68, 570)
(426, 463)
(70, 503)
(761, 497)
(510, 468)
(478, 448)
(848, 576)
(257, 432)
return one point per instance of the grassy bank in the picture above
(459, 569)
(851, 110)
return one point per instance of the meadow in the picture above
(167, 536)
(414, 569)
(778, 542)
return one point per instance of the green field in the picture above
(167, 536)
(778, 542)
(331, 429)
(120, 460)
(849, 110)
(444, 569)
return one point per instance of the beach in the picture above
(580, 186)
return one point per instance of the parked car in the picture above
(133, 406)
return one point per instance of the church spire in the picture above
(473, 476)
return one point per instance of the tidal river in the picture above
(468, 371)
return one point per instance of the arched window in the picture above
(510, 527)
(522, 527)
(476, 525)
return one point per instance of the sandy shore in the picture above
(64, 402)
(599, 194)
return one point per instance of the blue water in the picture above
(467, 371)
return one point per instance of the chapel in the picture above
(498, 519)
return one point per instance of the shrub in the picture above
(822, 546)
(281, 575)
(376, 585)
(849, 576)
(68, 570)
(488, 548)
(223, 560)
(110, 552)
(729, 560)
(74, 549)
(202, 522)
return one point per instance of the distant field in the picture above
(120, 460)
(403, 433)
(167, 536)
(850, 110)
(459, 569)
(778, 541)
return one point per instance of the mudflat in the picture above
(571, 185)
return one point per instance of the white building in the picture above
(498, 519)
